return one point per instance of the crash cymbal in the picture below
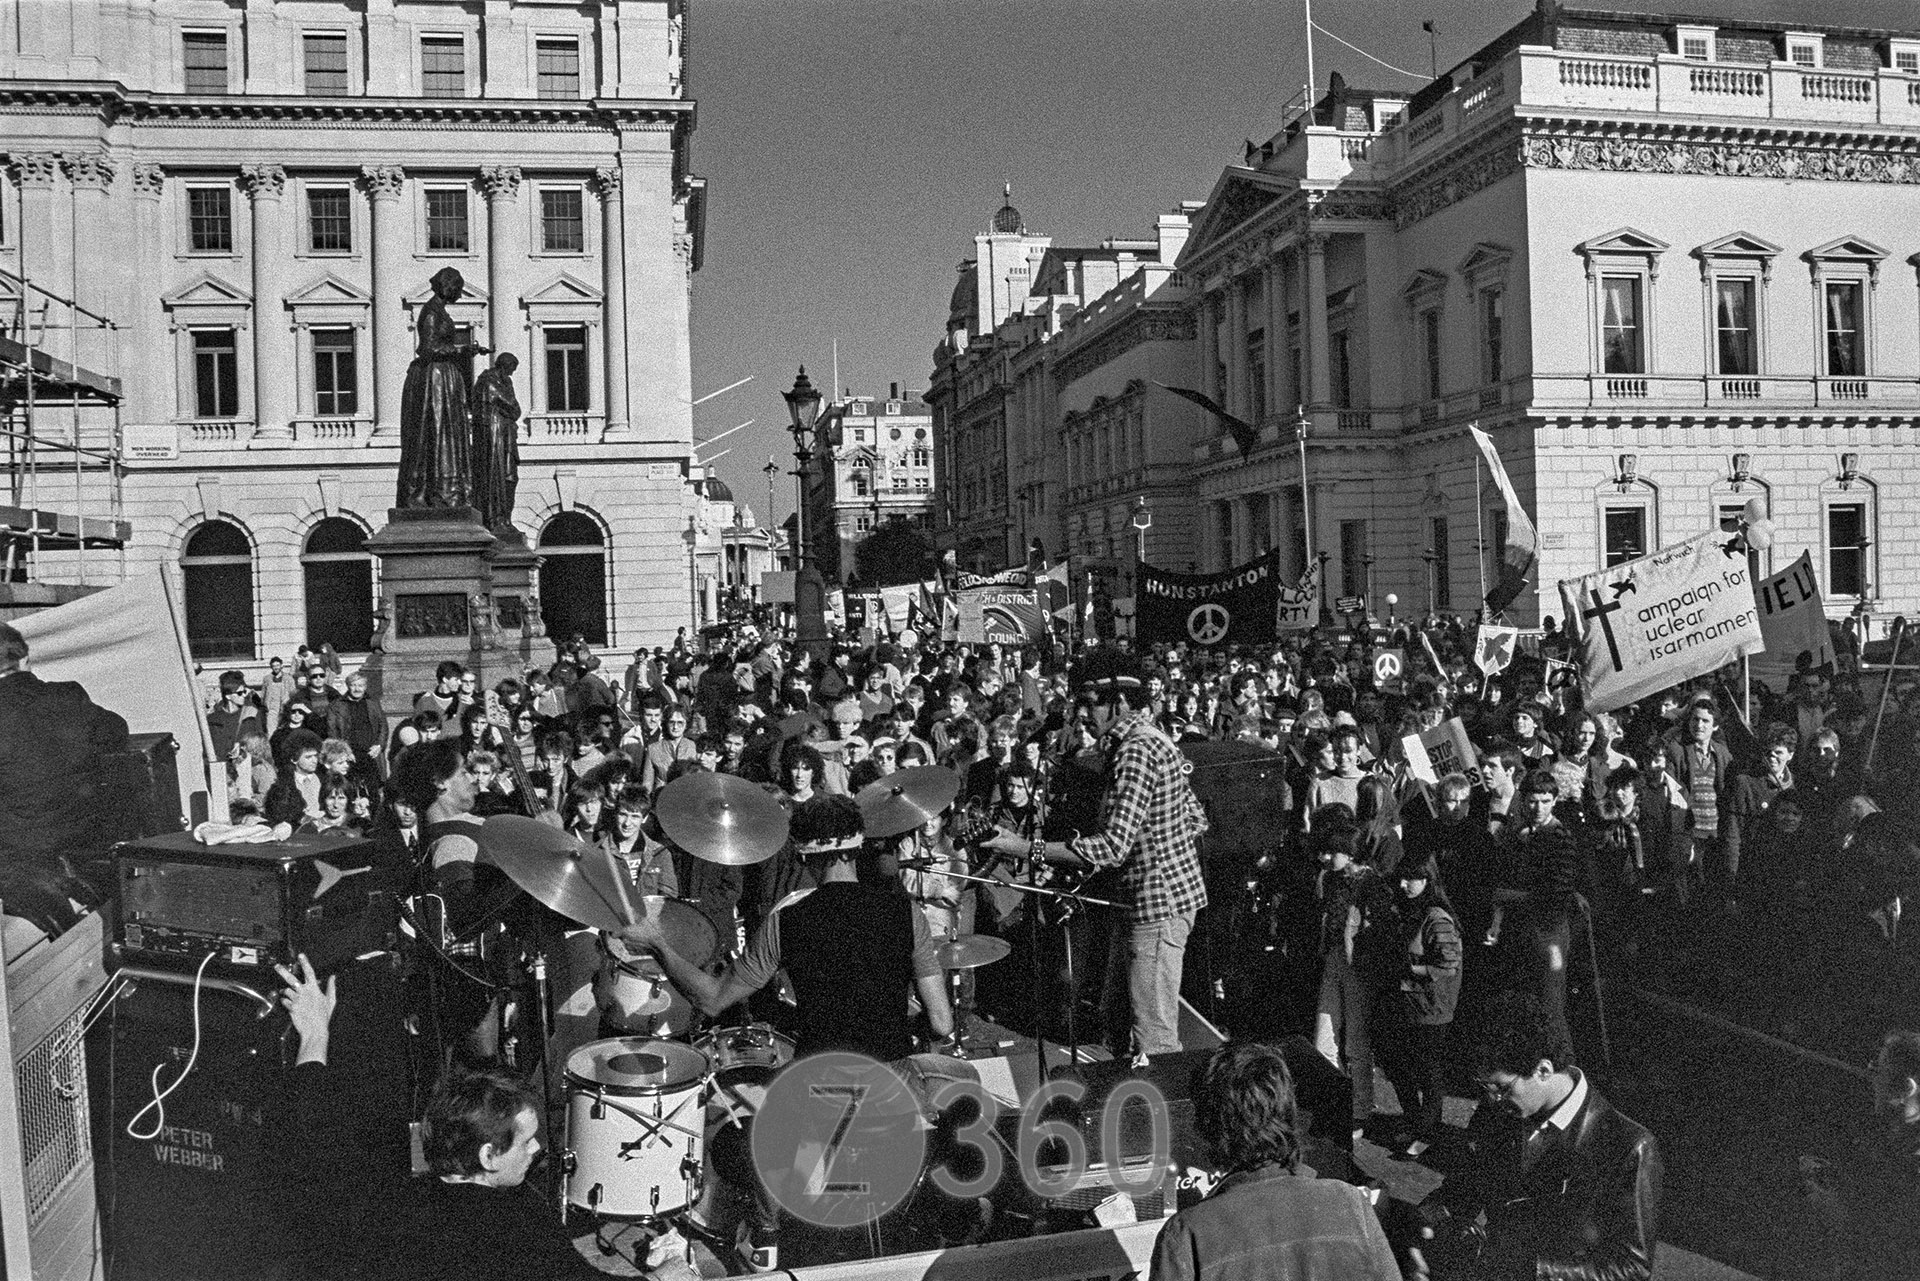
(971, 951)
(721, 818)
(905, 799)
(551, 866)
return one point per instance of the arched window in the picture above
(573, 578)
(218, 567)
(339, 585)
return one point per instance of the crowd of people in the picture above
(1570, 850)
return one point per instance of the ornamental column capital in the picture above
(90, 169)
(34, 168)
(384, 182)
(500, 182)
(606, 184)
(149, 179)
(263, 182)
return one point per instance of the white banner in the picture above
(1299, 606)
(1445, 749)
(1794, 623)
(1665, 618)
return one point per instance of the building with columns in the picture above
(1000, 397)
(258, 195)
(1669, 264)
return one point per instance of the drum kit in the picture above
(642, 1110)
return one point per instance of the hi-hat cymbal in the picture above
(721, 818)
(971, 951)
(551, 866)
(904, 799)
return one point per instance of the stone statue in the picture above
(436, 431)
(496, 442)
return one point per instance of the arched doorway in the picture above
(573, 578)
(339, 586)
(217, 565)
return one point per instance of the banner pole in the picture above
(1480, 537)
(1893, 665)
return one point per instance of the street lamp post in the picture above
(1142, 522)
(1301, 426)
(1432, 558)
(772, 472)
(809, 589)
(1366, 562)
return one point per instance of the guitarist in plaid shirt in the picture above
(1150, 827)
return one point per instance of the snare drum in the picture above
(635, 1141)
(631, 988)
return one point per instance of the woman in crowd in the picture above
(1421, 961)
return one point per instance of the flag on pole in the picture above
(1056, 596)
(1516, 558)
(1245, 434)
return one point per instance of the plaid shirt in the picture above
(1151, 825)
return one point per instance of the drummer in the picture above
(853, 952)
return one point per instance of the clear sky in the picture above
(853, 148)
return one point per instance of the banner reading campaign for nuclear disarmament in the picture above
(1794, 620)
(1001, 607)
(1654, 622)
(1237, 607)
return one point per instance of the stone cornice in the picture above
(1142, 325)
(116, 105)
(1726, 150)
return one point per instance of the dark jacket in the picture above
(1580, 1204)
(1271, 1224)
(53, 741)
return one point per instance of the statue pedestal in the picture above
(448, 590)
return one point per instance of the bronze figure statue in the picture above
(436, 430)
(496, 442)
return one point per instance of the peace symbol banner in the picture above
(1237, 607)
(1650, 623)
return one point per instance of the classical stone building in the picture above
(258, 193)
(882, 470)
(1669, 264)
(1001, 401)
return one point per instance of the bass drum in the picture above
(636, 1141)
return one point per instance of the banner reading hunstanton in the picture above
(1666, 618)
(1237, 607)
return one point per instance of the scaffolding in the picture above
(43, 394)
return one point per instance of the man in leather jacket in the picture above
(1569, 1188)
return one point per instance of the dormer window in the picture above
(1803, 48)
(1905, 56)
(1695, 43)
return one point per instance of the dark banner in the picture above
(1236, 607)
(1001, 607)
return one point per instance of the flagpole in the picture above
(1480, 536)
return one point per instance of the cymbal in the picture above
(971, 951)
(905, 799)
(685, 929)
(721, 818)
(550, 865)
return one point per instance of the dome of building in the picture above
(717, 491)
(1007, 219)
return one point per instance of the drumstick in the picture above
(628, 909)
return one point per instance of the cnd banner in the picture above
(1236, 607)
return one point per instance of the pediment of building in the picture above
(207, 291)
(330, 291)
(1238, 195)
(563, 289)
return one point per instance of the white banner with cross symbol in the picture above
(1650, 623)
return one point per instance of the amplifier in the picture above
(252, 906)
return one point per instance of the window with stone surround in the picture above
(1440, 542)
(216, 374)
(336, 382)
(204, 61)
(1624, 532)
(562, 220)
(443, 66)
(1735, 325)
(1430, 352)
(566, 358)
(1492, 312)
(447, 225)
(216, 568)
(329, 220)
(557, 67)
(325, 57)
(210, 220)
(1846, 276)
(1623, 269)
(1736, 273)
(1848, 545)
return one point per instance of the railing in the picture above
(1586, 74)
(1836, 88)
(1704, 391)
(1429, 413)
(1740, 389)
(561, 426)
(1913, 94)
(1355, 147)
(1726, 80)
(217, 432)
(1426, 127)
(1847, 388)
(1491, 397)
(1626, 389)
(1481, 92)
(1353, 420)
(330, 430)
